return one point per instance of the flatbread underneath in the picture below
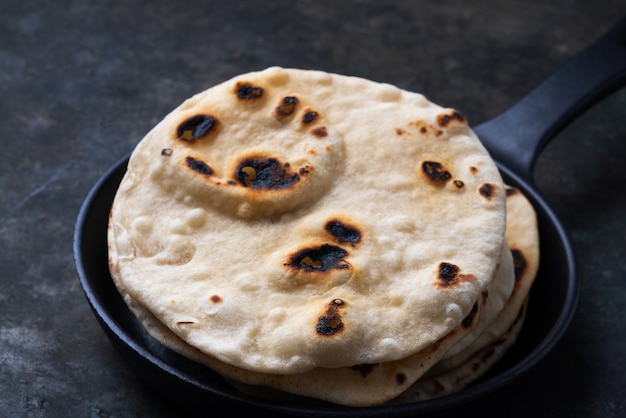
(360, 385)
(522, 234)
(476, 365)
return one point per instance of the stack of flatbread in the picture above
(316, 235)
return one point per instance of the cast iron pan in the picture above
(514, 139)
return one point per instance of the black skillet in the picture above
(514, 139)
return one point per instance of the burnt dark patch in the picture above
(265, 173)
(319, 132)
(330, 323)
(488, 190)
(469, 319)
(343, 232)
(319, 259)
(216, 299)
(519, 263)
(166, 152)
(449, 276)
(448, 272)
(195, 127)
(309, 116)
(286, 106)
(400, 378)
(459, 184)
(247, 91)
(445, 119)
(435, 171)
(198, 166)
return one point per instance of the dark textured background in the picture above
(81, 82)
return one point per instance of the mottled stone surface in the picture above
(81, 82)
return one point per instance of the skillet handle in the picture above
(517, 136)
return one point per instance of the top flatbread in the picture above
(286, 220)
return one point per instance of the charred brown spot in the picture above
(216, 299)
(330, 323)
(199, 166)
(287, 106)
(400, 378)
(445, 119)
(195, 127)
(519, 263)
(488, 190)
(510, 191)
(364, 369)
(319, 132)
(309, 116)
(400, 131)
(343, 232)
(179, 323)
(319, 259)
(435, 171)
(265, 173)
(473, 170)
(449, 276)
(448, 272)
(248, 91)
(459, 184)
(166, 152)
(469, 319)
(423, 129)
